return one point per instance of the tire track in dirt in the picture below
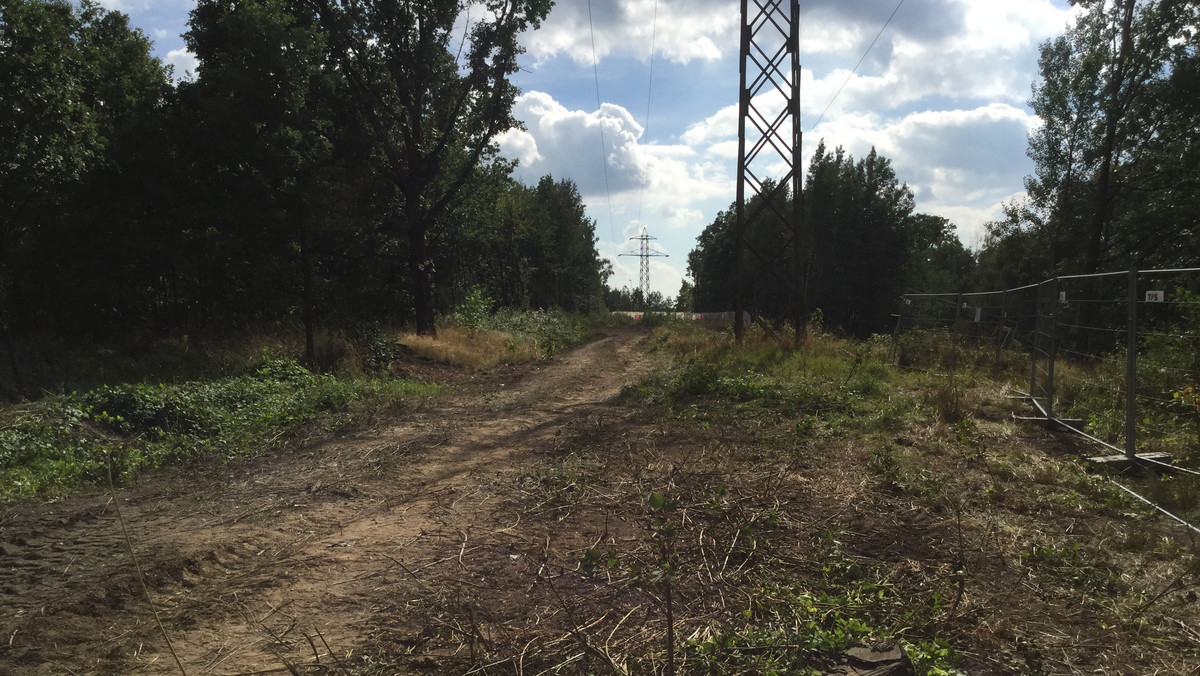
(280, 561)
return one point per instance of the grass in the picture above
(906, 503)
(475, 338)
(471, 350)
(61, 443)
(190, 403)
(765, 507)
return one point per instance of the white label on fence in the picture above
(978, 314)
(1062, 296)
(1154, 296)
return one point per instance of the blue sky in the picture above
(943, 94)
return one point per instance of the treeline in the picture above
(863, 246)
(1116, 184)
(1117, 159)
(329, 164)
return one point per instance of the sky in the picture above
(636, 102)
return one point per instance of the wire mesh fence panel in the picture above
(923, 328)
(1089, 363)
(1043, 348)
(1113, 355)
(1168, 362)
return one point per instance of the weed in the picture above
(52, 446)
(948, 401)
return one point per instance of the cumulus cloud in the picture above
(564, 142)
(943, 94)
(708, 29)
(568, 142)
(183, 62)
(962, 164)
(696, 29)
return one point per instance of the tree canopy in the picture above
(330, 163)
(1117, 158)
(868, 247)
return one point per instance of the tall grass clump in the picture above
(825, 376)
(60, 443)
(478, 335)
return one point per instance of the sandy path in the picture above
(288, 560)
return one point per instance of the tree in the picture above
(432, 107)
(867, 246)
(80, 91)
(685, 300)
(527, 247)
(1114, 108)
(266, 98)
(862, 218)
(938, 261)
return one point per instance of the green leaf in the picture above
(657, 501)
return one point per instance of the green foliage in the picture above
(323, 168)
(552, 330)
(866, 246)
(473, 312)
(65, 442)
(789, 630)
(1121, 66)
(1084, 569)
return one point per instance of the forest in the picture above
(329, 164)
(333, 165)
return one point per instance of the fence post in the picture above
(1033, 349)
(896, 333)
(958, 305)
(1131, 366)
(1053, 348)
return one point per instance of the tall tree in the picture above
(1101, 100)
(868, 245)
(80, 89)
(433, 99)
(266, 95)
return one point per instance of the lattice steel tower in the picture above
(769, 134)
(645, 253)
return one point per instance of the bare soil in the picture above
(275, 562)
(453, 542)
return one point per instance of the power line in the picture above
(603, 145)
(649, 96)
(860, 61)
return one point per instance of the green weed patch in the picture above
(52, 446)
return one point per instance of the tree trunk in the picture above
(310, 313)
(420, 268)
(1112, 118)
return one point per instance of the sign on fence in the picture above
(1154, 296)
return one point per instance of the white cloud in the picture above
(520, 145)
(680, 31)
(961, 164)
(183, 62)
(718, 126)
(565, 142)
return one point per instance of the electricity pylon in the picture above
(645, 253)
(769, 134)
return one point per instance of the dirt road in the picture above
(303, 562)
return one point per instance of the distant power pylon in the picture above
(645, 253)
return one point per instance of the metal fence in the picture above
(1113, 356)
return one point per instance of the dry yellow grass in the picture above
(479, 350)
